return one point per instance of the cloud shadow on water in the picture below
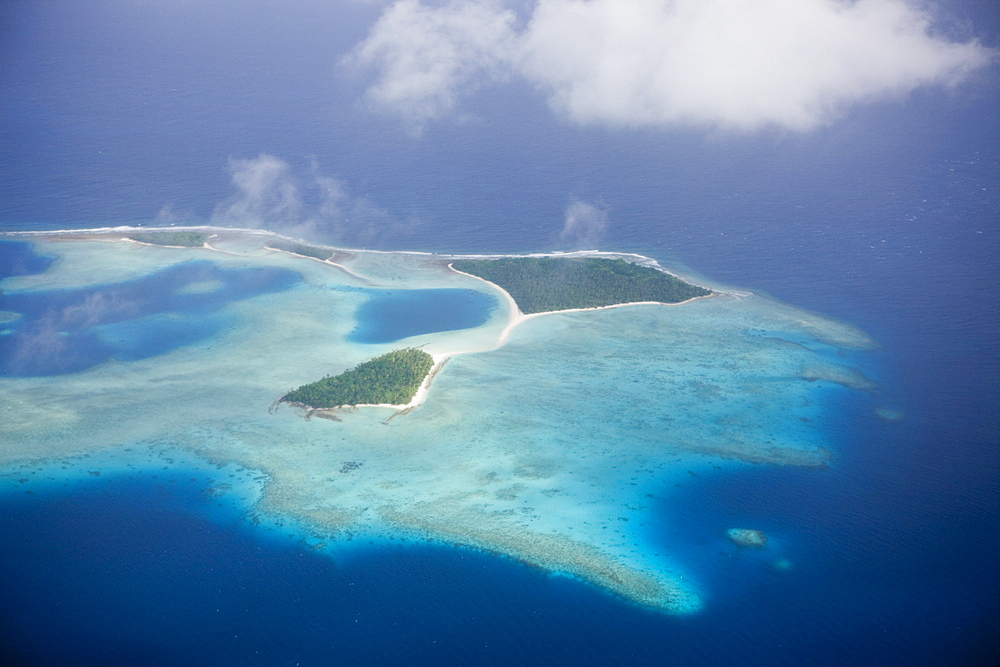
(67, 331)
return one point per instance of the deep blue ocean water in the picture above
(889, 220)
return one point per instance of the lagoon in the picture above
(392, 315)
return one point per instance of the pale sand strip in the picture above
(208, 246)
(328, 262)
(165, 245)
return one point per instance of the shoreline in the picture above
(248, 489)
(514, 320)
(518, 318)
(643, 260)
(451, 493)
(515, 317)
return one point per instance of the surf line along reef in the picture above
(555, 438)
(535, 285)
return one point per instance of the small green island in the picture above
(304, 249)
(390, 379)
(545, 284)
(187, 239)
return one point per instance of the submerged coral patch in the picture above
(71, 330)
(749, 538)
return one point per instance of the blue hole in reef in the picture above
(391, 315)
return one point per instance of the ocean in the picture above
(886, 220)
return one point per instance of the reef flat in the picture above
(546, 439)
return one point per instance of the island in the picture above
(181, 238)
(546, 284)
(305, 249)
(390, 379)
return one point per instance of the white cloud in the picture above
(735, 64)
(269, 193)
(584, 225)
(427, 55)
(266, 193)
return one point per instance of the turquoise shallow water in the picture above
(549, 445)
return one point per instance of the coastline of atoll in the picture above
(543, 439)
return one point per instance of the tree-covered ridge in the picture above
(392, 378)
(181, 238)
(306, 249)
(544, 284)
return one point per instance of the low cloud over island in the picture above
(268, 192)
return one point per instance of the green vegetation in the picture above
(188, 239)
(392, 378)
(301, 249)
(544, 284)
